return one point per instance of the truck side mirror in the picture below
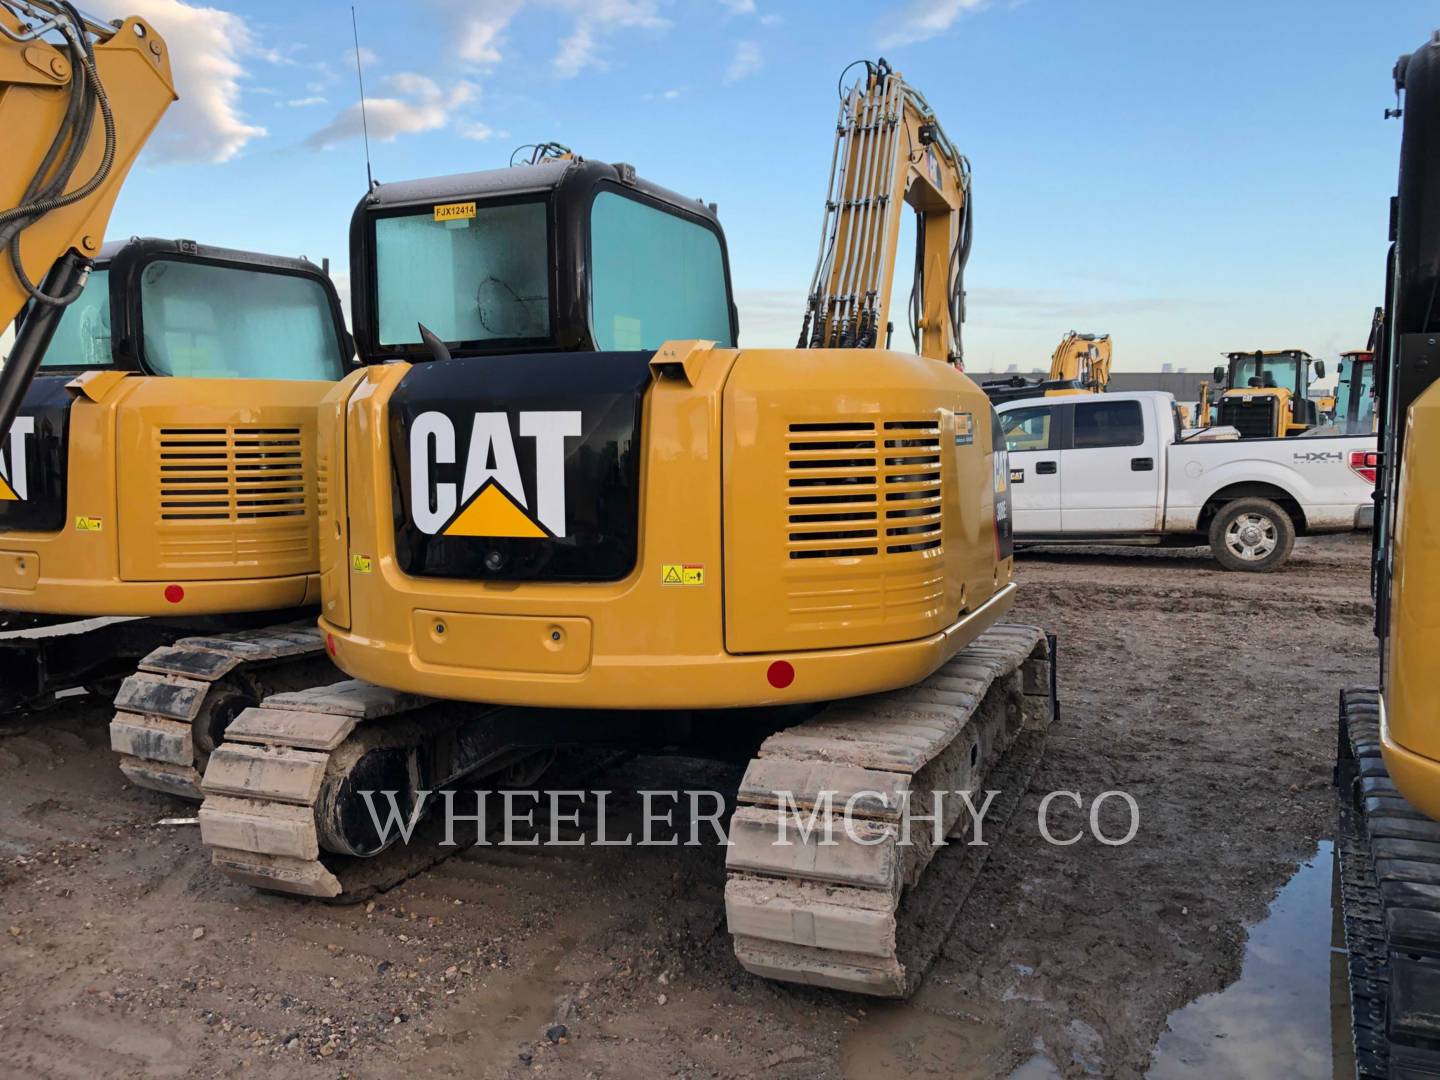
(1219, 374)
(1319, 369)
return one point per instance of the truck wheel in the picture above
(1252, 534)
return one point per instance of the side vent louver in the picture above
(855, 487)
(231, 474)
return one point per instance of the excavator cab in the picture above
(1268, 393)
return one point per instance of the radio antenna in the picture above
(360, 78)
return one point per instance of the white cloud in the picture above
(739, 7)
(921, 20)
(206, 46)
(305, 103)
(479, 26)
(418, 104)
(746, 61)
(480, 132)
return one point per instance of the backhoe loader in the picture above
(1079, 365)
(1267, 394)
(566, 509)
(1389, 748)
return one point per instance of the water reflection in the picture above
(1275, 1020)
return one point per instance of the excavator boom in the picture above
(79, 97)
(890, 150)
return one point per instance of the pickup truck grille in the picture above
(857, 488)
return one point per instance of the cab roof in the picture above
(1270, 352)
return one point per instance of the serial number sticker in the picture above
(682, 574)
(361, 564)
(964, 429)
(88, 524)
(457, 211)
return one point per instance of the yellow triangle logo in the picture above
(493, 513)
(7, 493)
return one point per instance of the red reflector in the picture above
(781, 674)
(174, 593)
(330, 644)
(1363, 464)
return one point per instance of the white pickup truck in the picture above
(1107, 468)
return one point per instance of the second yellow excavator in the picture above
(1079, 365)
(566, 508)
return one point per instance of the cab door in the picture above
(1032, 435)
(1111, 470)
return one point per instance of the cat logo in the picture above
(493, 500)
(14, 466)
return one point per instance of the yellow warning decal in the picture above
(682, 574)
(7, 493)
(493, 513)
(88, 524)
(361, 564)
(455, 211)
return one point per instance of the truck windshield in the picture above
(469, 274)
(1281, 371)
(82, 340)
(208, 321)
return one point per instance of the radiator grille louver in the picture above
(855, 488)
(231, 474)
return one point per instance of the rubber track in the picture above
(266, 786)
(1390, 899)
(154, 726)
(858, 915)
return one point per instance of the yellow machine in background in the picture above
(1083, 361)
(1079, 365)
(561, 484)
(1267, 393)
(74, 116)
(162, 474)
(1389, 761)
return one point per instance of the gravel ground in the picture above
(1209, 696)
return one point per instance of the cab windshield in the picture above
(1284, 372)
(82, 340)
(209, 321)
(470, 274)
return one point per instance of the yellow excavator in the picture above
(1389, 748)
(158, 480)
(1079, 365)
(1267, 393)
(567, 509)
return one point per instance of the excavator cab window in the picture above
(472, 274)
(221, 322)
(1271, 371)
(82, 340)
(654, 276)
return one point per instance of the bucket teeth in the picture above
(828, 909)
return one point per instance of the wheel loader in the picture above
(1267, 393)
(567, 509)
(1388, 769)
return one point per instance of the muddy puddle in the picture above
(1276, 1019)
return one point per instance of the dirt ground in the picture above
(1209, 696)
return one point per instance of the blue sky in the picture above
(1189, 178)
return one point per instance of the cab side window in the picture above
(1028, 429)
(1108, 423)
